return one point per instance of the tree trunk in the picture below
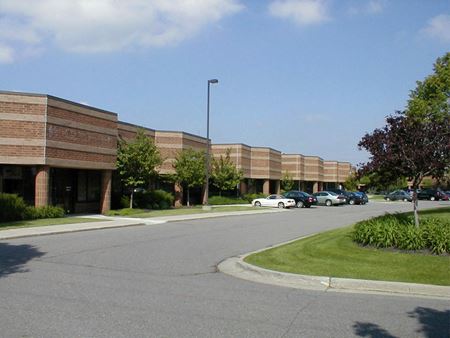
(188, 198)
(416, 211)
(131, 199)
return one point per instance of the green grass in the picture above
(334, 254)
(45, 222)
(376, 197)
(140, 213)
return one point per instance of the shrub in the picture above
(12, 208)
(155, 199)
(220, 200)
(399, 231)
(48, 211)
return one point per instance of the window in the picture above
(88, 187)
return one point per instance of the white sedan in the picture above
(277, 201)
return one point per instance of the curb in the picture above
(236, 267)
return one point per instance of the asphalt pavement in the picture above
(161, 280)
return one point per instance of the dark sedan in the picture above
(356, 198)
(301, 198)
(398, 195)
(432, 195)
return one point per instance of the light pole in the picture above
(205, 200)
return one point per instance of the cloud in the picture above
(371, 7)
(439, 28)
(302, 12)
(92, 26)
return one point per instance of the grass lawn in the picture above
(376, 197)
(334, 254)
(46, 221)
(140, 213)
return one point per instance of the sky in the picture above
(304, 77)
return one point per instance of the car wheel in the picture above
(328, 203)
(300, 204)
(257, 204)
(351, 202)
(432, 198)
(280, 205)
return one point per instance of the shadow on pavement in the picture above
(13, 258)
(434, 324)
(371, 330)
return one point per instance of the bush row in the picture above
(155, 200)
(220, 200)
(14, 208)
(399, 231)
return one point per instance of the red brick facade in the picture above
(45, 133)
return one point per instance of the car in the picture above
(329, 198)
(363, 195)
(355, 198)
(346, 193)
(276, 201)
(301, 198)
(432, 195)
(398, 195)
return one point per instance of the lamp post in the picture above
(205, 200)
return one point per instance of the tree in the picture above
(224, 175)
(415, 143)
(287, 182)
(137, 161)
(430, 100)
(409, 147)
(189, 168)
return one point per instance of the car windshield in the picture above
(332, 193)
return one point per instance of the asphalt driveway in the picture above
(161, 281)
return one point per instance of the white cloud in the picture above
(439, 28)
(6, 54)
(90, 26)
(375, 6)
(370, 7)
(302, 12)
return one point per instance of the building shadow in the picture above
(13, 258)
(371, 330)
(434, 323)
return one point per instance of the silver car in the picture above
(329, 198)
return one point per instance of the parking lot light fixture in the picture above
(205, 200)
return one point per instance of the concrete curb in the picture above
(236, 267)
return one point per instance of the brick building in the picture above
(54, 151)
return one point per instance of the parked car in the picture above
(432, 195)
(276, 201)
(355, 198)
(363, 195)
(398, 195)
(301, 198)
(329, 198)
(346, 193)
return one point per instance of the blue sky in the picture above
(300, 76)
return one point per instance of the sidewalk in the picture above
(107, 222)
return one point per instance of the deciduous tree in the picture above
(189, 168)
(224, 175)
(137, 160)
